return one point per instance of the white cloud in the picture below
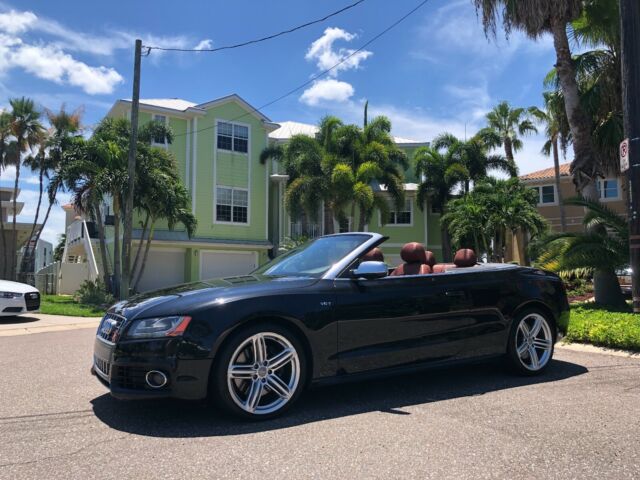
(322, 52)
(50, 63)
(14, 22)
(204, 44)
(329, 90)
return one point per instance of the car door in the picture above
(399, 321)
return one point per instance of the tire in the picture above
(260, 386)
(530, 352)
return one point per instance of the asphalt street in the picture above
(579, 420)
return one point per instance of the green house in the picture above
(238, 201)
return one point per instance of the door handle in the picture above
(454, 293)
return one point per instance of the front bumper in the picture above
(122, 367)
(27, 302)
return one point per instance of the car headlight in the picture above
(10, 295)
(158, 327)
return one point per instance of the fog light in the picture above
(155, 379)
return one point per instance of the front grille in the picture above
(32, 300)
(129, 377)
(110, 326)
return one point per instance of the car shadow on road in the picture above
(179, 419)
(15, 320)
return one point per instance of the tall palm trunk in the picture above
(585, 167)
(446, 245)
(28, 251)
(329, 228)
(139, 249)
(508, 149)
(556, 168)
(144, 257)
(14, 248)
(4, 242)
(103, 245)
(116, 247)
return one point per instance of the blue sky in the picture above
(434, 72)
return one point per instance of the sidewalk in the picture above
(39, 323)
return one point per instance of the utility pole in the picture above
(133, 142)
(630, 36)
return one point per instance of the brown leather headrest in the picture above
(413, 253)
(373, 255)
(465, 257)
(431, 258)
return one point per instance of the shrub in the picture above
(93, 293)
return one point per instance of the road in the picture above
(580, 420)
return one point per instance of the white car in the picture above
(17, 298)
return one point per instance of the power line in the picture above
(257, 40)
(321, 74)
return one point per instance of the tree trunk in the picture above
(446, 245)
(585, 167)
(144, 257)
(139, 249)
(508, 149)
(4, 244)
(556, 167)
(607, 289)
(116, 247)
(14, 249)
(103, 247)
(28, 252)
(44, 222)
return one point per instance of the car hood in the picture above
(189, 297)
(15, 287)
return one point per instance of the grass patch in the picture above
(66, 305)
(602, 326)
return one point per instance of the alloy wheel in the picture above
(534, 342)
(263, 373)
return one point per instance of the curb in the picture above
(589, 348)
(47, 328)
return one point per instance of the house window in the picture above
(546, 194)
(608, 188)
(160, 139)
(233, 137)
(400, 217)
(232, 205)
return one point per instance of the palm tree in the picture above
(535, 18)
(5, 135)
(505, 127)
(64, 127)
(558, 137)
(473, 154)
(484, 217)
(601, 249)
(441, 173)
(27, 132)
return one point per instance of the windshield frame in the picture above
(372, 239)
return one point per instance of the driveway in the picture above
(579, 420)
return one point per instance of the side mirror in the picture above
(371, 270)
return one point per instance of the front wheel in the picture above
(260, 372)
(531, 342)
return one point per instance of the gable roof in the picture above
(547, 173)
(183, 107)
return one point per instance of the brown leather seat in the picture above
(465, 257)
(373, 255)
(415, 258)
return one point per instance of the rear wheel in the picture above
(260, 372)
(531, 342)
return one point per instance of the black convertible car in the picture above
(326, 311)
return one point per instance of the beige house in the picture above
(543, 181)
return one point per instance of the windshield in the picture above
(313, 258)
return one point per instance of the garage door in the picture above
(164, 268)
(226, 264)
